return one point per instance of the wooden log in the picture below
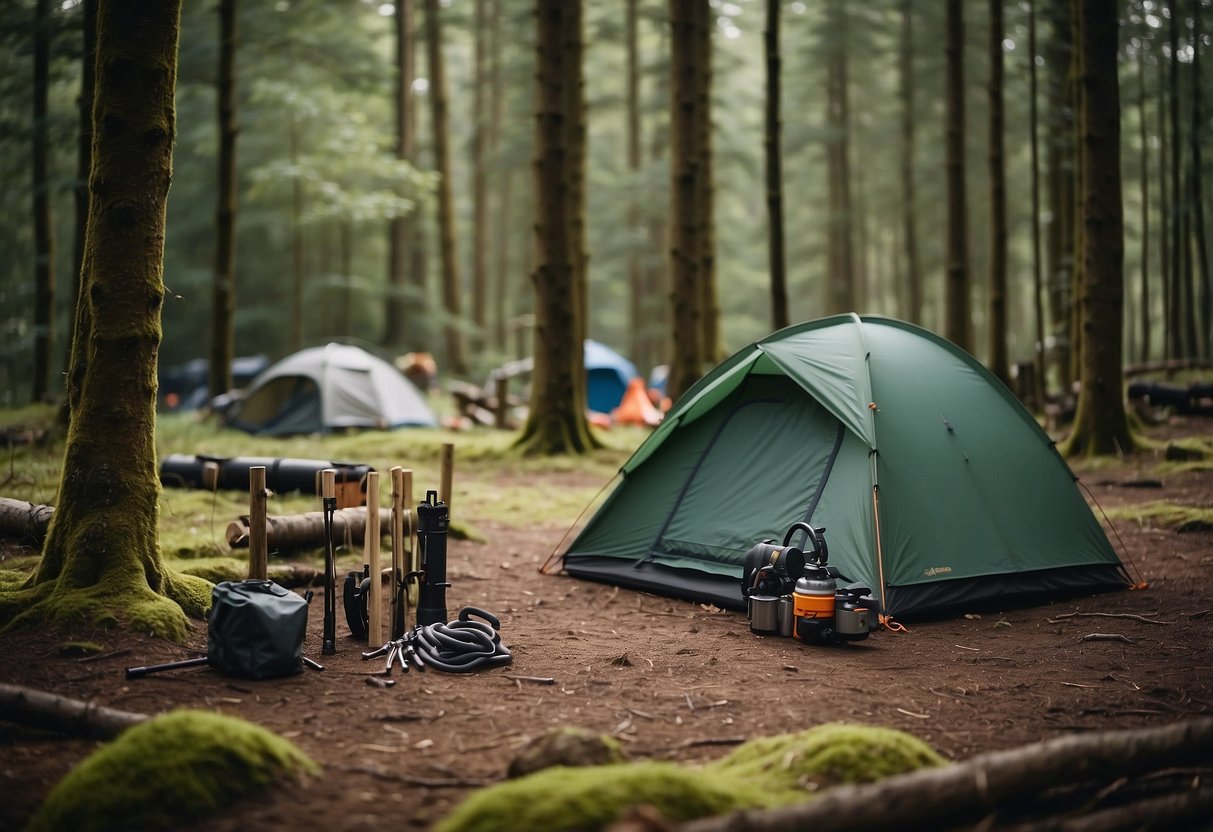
(399, 565)
(24, 521)
(305, 531)
(375, 596)
(64, 715)
(973, 788)
(258, 551)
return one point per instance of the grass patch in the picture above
(1162, 514)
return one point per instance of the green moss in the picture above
(11, 579)
(830, 753)
(591, 798)
(79, 648)
(213, 569)
(770, 771)
(168, 771)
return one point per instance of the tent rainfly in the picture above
(937, 489)
(328, 388)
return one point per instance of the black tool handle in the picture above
(140, 672)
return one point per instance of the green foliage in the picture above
(1164, 514)
(765, 772)
(169, 771)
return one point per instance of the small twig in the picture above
(911, 713)
(1106, 637)
(535, 680)
(1129, 615)
(689, 703)
(103, 656)
(974, 649)
(1077, 685)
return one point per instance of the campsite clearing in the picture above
(670, 679)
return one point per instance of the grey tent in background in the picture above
(329, 388)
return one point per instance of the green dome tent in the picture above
(935, 486)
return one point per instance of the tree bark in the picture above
(451, 291)
(996, 326)
(556, 422)
(1164, 210)
(84, 165)
(223, 303)
(1144, 316)
(1100, 424)
(774, 171)
(480, 206)
(686, 244)
(970, 789)
(63, 715)
(636, 294)
(913, 270)
(709, 304)
(101, 557)
(1201, 321)
(840, 245)
(958, 326)
(1174, 329)
(297, 266)
(44, 241)
(396, 332)
(1038, 289)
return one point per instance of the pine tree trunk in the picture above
(451, 293)
(1201, 319)
(686, 244)
(296, 240)
(709, 306)
(1143, 353)
(1164, 210)
(841, 276)
(480, 205)
(1060, 177)
(958, 326)
(223, 299)
(101, 559)
(575, 145)
(84, 163)
(44, 241)
(556, 422)
(774, 171)
(1174, 327)
(632, 216)
(396, 324)
(913, 271)
(503, 208)
(1075, 330)
(1100, 425)
(996, 326)
(1038, 290)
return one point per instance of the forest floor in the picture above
(671, 680)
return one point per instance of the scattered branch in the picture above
(63, 715)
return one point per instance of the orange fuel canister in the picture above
(813, 604)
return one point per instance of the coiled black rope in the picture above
(460, 646)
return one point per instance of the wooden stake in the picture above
(399, 566)
(448, 470)
(375, 597)
(410, 551)
(258, 553)
(502, 411)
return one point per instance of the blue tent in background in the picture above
(607, 376)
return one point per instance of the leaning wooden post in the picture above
(399, 566)
(374, 609)
(258, 554)
(448, 470)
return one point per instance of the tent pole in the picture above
(879, 551)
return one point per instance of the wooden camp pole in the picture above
(258, 555)
(448, 470)
(399, 567)
(328, 499)
(410, 560)
(210, 475)
(374, 610)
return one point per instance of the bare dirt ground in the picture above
(670, 679)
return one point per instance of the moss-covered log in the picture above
(101, 560)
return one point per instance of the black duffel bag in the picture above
(256, 629)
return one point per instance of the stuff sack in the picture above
(255, 629)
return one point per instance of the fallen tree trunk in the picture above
(63, 715)
(306, 531)
(24, 521)
(977, 786)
